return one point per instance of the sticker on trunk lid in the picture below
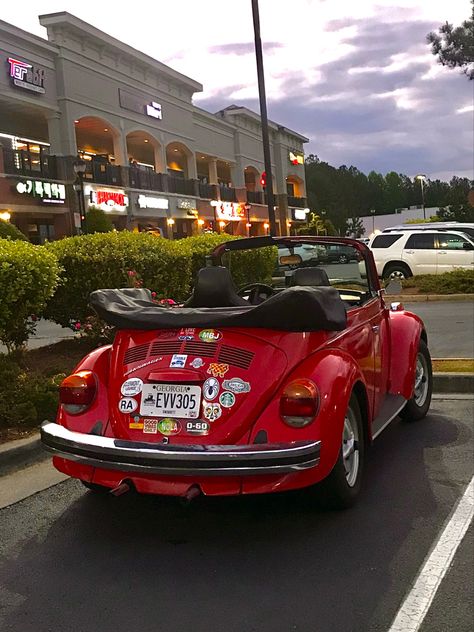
(169, 427)
(132, 386)
(227, 399)
(197, 427)
(236, 385)
(210, 388)
(210, 335)
(212, 411)
(127, 405)
(218, 369)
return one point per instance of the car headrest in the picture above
(313, 277)
(214, 287)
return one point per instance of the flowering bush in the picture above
(28, 277)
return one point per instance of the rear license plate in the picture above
(171, 400)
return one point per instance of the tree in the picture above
(454, 47)
(354, 227)
(317, 226)
(97, 221)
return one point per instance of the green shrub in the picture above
(28, 277)
(455, 282)
(10, 231)
(104, 260)
(96, 221)
(30, 397)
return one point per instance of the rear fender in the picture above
(98, 362)
(406, 329)
(335, 373)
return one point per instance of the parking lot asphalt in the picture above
(77, 562)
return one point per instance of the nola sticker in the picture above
(218, 369)
(127, 405)
(210, 335)
(212, 411)
(210, 388)
(169, 427)
(178, 361)
(236, 385)
(150, 426)
(186, 333)
(132, 386)
(197, 427)
(227, 399)
(197, 363)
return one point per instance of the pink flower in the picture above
(77, 326)
(131, 273)
(153, 295)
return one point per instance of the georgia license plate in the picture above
(171, 400)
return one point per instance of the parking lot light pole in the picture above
(372, 210)
(421, 177)
(263, 117)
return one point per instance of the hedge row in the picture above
(455, 282)
(28, 278)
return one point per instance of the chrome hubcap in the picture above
(421, 380)
(350, 448)
(397, 275)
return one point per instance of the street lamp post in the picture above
(372, 210)
(263, 117)
(323, 215)
(421, 177)
(79, 167)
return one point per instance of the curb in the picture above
(23, 452)
(420, 298)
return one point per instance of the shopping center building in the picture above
(89, 122)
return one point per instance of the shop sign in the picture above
(149, 201)
(296, 159)
(299, 214)
(26, 76)
(186, 203)
(108, 201)
(154, 109)
(229, 211)
(48, 192)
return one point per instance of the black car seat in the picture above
(214, 287)
(314, 277)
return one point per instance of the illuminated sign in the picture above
(26, 76)
(296, 159)
(186, 203)
(299, 214)
(154, 109)
(229, 211)
(48, 192)
(108, 201)
(147, 201)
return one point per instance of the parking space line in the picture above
(416, 604)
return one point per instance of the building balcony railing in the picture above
(146, 179)
(103, 173)
(207, 191)
(299, 202)
(227, 194)
(255, 197)
(181, 185)
(27, 163)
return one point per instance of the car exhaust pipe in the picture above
(122, 488)
(193, 492)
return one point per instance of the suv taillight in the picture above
(77, 392)
(299, 403)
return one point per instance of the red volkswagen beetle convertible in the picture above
(280, 384)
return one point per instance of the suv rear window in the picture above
(384, 241)
(421, 241)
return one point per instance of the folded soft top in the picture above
(292, 309)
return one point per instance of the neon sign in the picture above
(49, 192)
(26, 76)
(229, 211)
(108, 200)
(148, 201)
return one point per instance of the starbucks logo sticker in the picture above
(227, 399)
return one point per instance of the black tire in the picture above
(94, 487)
(338, 491)
(343, 259)
(396, 272)
(417, 407)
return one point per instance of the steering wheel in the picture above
(256, 293)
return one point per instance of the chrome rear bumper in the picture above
(181, 460)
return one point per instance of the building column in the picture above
(213, 171)
(120, 148)
(160, 158)
(192, 167)
(237, 176)
(61, 134)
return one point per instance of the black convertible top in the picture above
(292, 309)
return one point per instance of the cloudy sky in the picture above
(356, 77)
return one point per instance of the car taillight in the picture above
(77, 392)
(299, 403)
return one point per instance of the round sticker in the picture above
(169, 426)
(210, 335)
(211, 410)
(132, 386)
(210, 388)
(227, 399)
(127, 405)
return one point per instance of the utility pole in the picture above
(264, 118)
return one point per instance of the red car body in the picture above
(374, 358)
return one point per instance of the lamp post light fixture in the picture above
(422, 178)
(372, 212)
(80, 167)
(323, 216)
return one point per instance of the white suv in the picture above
(402, 254)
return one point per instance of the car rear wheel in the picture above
(417, 407)
(396, 272)
(343, 259)
(342, 486)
